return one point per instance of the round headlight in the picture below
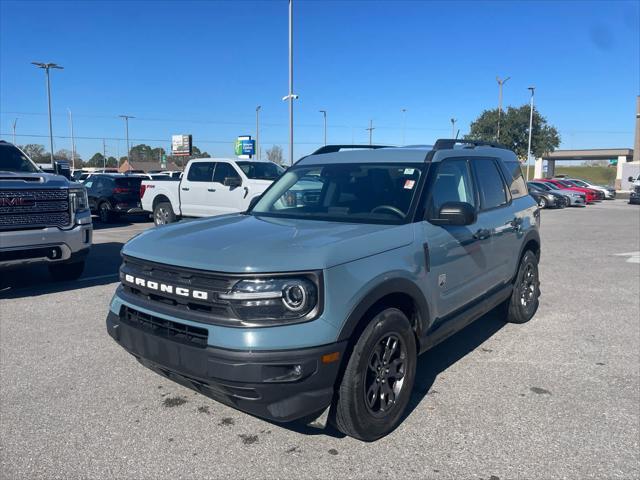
(294, 297)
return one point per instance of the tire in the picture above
(387, 340)
(163, 214)
(104, 212)
(524, 301)
(66, 271)
(542, 203)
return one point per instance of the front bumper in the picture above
(262, 383)
(52, 244)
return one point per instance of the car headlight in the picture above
(284, 299)
(78, 199)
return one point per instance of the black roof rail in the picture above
(337, 148)
(447, 143)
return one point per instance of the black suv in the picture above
(113, 195)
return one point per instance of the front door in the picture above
(195, 189)
(227, 199)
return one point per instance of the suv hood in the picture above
(19, 180)
(243, 243)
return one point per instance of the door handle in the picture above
(516, 223)
(185, 188)
(482, 234)
(211, 189)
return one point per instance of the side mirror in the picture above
(252, 202)
(61, 167)
(455, 213)
(232, 182)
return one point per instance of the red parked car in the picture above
(590, 195)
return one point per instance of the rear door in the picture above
(196, 188)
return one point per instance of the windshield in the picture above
(565, 183)
(131, 182)
(579, 183)
(13, 160)
(261, 170)
(358, 193)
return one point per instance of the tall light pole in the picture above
(371, 129)
(532, 89)
(291, 96)
(324, 115)
(46, 67)
(257, 152)
(14, 130)
(73, 141)
(404, 123)
(453, 127)
(104, 154)
(500, 84)
(126, 129)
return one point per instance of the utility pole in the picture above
(532, 89)
(257, 152)
(324, 114)
(46, 67)
(453, 127)
(73, 141)
(126, 128)
(14, 130)
(404, 123)
(371, 129)
(500, 84)
(104, 154)
(291, 96)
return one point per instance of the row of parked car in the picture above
(561, 192)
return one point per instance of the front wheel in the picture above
(524, 300)
(163, 214)
(542, 203)
(377, 382)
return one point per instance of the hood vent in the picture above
(14, 178)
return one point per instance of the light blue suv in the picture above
(317, 301)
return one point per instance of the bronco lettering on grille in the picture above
(163, 287)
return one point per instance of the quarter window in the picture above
(513, 174)
(451, 184)
(490, 184)
(200, 172)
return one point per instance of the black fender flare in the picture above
(388, 287)
(534, 235)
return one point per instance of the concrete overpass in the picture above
(622, 155)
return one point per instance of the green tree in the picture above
(97, 160)
(274, 154)
(36, 152)
(514, 131)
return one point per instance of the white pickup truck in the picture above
(208, 187)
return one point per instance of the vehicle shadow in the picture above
(430, 365)
(123, 221)
(101, 268)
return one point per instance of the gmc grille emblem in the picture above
(166, 288)
(24, 201)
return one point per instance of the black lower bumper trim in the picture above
(281, 386)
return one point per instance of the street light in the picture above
(257, 152)
(500, 84)
(46, 67)
(14, 130)
(370, 129)
(291, 96)
(453, 127)
(532, 89)
(404, 123)
(126, 128)
(73, 141)
(324, 114)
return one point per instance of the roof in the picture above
(590, 154)
(378, 155)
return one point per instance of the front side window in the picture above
(358, 193)
(490, 184)
(224, 170)
(452, 183)
(261, 170)
(200, 172)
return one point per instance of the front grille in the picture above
(212, 310)
(177, 332)
(34, 209)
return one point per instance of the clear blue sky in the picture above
(201, 67)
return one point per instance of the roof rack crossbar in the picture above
(448, 143)
(337, 148)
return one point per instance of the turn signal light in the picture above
(331, 357)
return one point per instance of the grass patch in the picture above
(596, 175)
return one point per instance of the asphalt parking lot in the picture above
(555, 398)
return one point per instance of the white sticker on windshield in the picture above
(409, 184)
(409, 171)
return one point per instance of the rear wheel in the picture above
(104, 211)
(377, 383)
(523, 303)
(163, 214)
(66, 271)
(542, 202)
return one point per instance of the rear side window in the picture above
(452, 183)
(490, 184)
(224, 170)
(513, 174)
(200, 172)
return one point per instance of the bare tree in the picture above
(274, 154)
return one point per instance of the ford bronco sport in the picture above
(317, 300)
